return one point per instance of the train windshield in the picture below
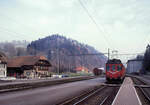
(107, 67)
(113, 67)
(119, 67)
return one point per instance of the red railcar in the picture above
(115, 70)
(97, 71)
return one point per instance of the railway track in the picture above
(143, 92)
(138, 81)
(102, 95)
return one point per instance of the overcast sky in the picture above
(124, 25)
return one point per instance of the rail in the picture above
(143, 87)
(144, 93)
(92, 95)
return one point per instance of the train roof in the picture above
(114, 61)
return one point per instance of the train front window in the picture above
(119, 67)
(113, 67)
(107, 67)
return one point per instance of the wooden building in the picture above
(28, 66)
(3, 65)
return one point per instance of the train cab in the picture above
(114, 70)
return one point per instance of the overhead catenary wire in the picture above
(108, 34)
(93, 20)
(17, 22)
(131, 54)
(25, 26)
(120, 54)
(18, 35)
(102, 26)
(145, 39)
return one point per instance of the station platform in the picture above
(127, 94)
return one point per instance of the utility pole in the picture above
(58, 58)
(108, 53)
(58, 62)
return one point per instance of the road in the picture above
(20, 81)
(48, 95)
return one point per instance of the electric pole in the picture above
(108, 53)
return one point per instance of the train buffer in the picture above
(127, 94)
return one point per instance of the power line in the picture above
(130, 54)
(103, 29)
(102, 26)
(90, 16)
(12, 32)
(121, 54)
(88, 54)
(16, 22)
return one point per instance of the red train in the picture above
(97, 71)
(115, 70)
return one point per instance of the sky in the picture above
(122, 25)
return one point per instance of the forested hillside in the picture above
(146, 61)
(14, 48)
(66, 53)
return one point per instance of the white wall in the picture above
(3, 71)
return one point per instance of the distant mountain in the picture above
(66, 53)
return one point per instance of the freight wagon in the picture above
(97, 71)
